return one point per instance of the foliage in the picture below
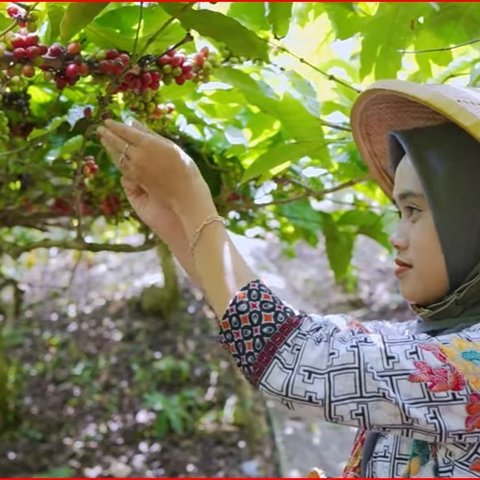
(258, 94)
(268, 125)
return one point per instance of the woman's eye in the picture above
(408, 210)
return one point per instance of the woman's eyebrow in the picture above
(409, 195)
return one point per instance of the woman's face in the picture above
(423, 279)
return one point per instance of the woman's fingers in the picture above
(118, 149)
(118, 144)
(140, 126)
(129, 134)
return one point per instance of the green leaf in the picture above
(51, 127)
(5, 22)
(385, 34)
(301, 214)
(72, 145)
(170, 36)
(248, 86)
(304, 91)
(239, 39)
(474, 75)
(77, 16)
(59, 472)
(55, 13)
(453, 22)
(161, 425)
(274, 157)
(250, 14)
(104, 37)
(279, 17)
(123, 18)
(345, 21)
(299, 124)
(176, 421)
(368, 223)
(339, 246)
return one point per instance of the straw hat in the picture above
(395, 105)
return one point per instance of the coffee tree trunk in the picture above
(156, 300)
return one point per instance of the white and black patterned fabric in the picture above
(421, 393)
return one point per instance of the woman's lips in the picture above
(402, 267)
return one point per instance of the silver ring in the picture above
(125, 148)
(124, 156)
(122, 160)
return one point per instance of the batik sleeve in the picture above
(408, 384)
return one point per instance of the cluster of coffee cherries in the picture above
(18, 102)
(144, 81)
(65, 207)
(26, 50)
(90, 167)
(73, 66)
(110, 205)
(112, 62)
(23, 18)
(176, 66)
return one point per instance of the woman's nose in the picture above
(398, 239)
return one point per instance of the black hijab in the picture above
(447, 161)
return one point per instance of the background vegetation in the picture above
(259, 94)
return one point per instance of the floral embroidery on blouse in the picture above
(419, 457)
(438, 379)
(465, 356)
(473, 410)
(421, 393)
(352, 467)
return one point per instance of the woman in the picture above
(413, 390)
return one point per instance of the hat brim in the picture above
(397, 105)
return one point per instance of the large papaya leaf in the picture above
(239, 39)
(77, 16)
(279, 17)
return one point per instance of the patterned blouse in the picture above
(420, 393)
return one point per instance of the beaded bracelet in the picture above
(210, 219)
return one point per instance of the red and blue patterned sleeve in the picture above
(409, 384)
(254, 325)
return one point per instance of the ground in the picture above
(110, 392)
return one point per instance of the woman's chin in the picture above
(414, 298)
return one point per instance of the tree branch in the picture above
(318, 195)
(163, 28)
(15, 250)
(442, 49)
(137, 34)
(329, 76)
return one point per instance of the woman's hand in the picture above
(164, 221)
(167, 175)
